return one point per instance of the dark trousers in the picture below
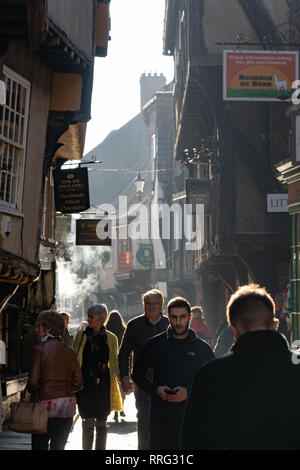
(164, 432)
(142, 403)
(58, 432)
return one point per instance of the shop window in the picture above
(13, 133)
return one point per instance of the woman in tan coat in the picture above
(54, 376)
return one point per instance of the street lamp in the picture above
(139, 184)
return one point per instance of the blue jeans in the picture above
(142, 403)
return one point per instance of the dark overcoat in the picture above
(248, 399)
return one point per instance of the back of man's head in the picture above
(251, 308)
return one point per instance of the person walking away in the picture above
(174, 357)
(224, 342)
(236, 401)
(138, 331)
(67, 336)
(53, 378)
(116, 325)
(200, 326)
(97, 353)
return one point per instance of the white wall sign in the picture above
(277, 202)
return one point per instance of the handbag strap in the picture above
(23, 393)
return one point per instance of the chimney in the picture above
(149, 85)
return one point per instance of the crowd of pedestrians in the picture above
(192, 391)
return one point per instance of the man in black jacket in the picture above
(172, 358)
(249, 398)
(138, 331)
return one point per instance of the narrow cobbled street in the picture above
(121, 435)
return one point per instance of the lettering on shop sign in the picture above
(71, 188)
(277, 202)
(87, 232)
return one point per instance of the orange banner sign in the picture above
(259, 75)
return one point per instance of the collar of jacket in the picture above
(90, 332)
(261, 339)
(157, 322)
(189, 339)
(49, 336)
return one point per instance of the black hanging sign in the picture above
(71, 188)
(88, 232)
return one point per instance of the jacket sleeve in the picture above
(114, 356)
(141, 368)
(77, 379)
(125, 351)
(34, 372)
(77, 341)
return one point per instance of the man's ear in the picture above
(275, 324)
(235, 330)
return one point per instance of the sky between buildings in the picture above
(136, 47)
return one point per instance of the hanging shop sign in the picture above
(259, 75)
(277, 202)
(124, 261)
(90, 232)
(145, 254)
(71, 189)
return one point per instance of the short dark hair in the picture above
(249, 306)
(179, 302)
(52, 321)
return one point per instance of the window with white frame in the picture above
(13, 135)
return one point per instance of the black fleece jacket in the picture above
(174, 362)
(138, 332)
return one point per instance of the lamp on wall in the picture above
(139, 184)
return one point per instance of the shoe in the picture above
(122, 414)
(116, 417)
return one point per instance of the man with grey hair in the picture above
(97, 347)
(138, 331)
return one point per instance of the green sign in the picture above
(145, 254)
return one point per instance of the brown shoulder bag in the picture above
(29, 417)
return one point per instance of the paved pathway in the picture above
(121, 436)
